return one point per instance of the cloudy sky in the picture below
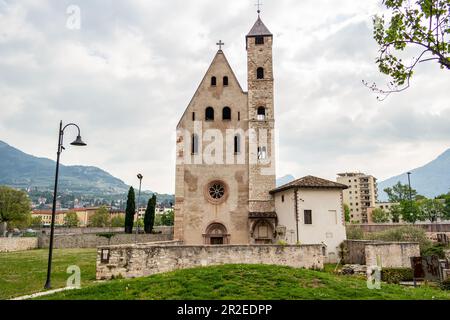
(128, 73)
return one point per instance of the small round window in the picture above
(216, 192)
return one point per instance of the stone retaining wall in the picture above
(147, 259)
(163, 230)
(385, 254)
(65, 241)
(18, 244)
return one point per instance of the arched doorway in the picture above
(216, 234)
(263, 232)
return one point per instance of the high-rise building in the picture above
(362, 193)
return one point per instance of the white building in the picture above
(310, 211)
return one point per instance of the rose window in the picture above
(216, 191)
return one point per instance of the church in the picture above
(225, 155)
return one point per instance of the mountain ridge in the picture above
(21, 170)
(430, 180)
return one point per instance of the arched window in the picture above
(262, 153)
(209, 114)
(226, 113)
(213, 81)
(194, 144)
(237, 144)
(261, 113)
(225, 81)
(260, 73)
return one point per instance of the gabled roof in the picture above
(310, 182)
(259, 29)
(218, 55)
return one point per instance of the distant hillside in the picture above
(283, 180)
(21, 170)
(431, 180)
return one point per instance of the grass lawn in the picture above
(23, 273)
(247, 282)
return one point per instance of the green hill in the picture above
(21, 170)
(247, 282)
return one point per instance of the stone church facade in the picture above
(226, 155)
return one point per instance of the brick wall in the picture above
(144, 260)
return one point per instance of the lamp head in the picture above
(78, 142)
(140, 176)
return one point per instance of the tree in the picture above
(149, 217)
(71, 220)
(100, 219)
(411, 211)
(399, 192)
(118, 221)
(422, 26)
(347, 213)
(432, 209)
(36, 222)
(396, 213)
(380, 216)
(447, 208)
(167, 219)
(15, 206)
(130, 211)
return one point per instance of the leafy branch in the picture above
(424, 25)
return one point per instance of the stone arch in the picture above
(216, 234)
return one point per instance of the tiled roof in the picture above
(310, 182)
(259, 29)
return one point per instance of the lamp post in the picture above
(79, 143)
(140, 177)
(409, 183)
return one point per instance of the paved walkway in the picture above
(44, 293)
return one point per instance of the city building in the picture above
(362, 193)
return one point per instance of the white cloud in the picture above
(128, 74)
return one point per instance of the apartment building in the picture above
(362, 193)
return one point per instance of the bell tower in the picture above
(262, 178)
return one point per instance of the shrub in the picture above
(355, 233)
(434, 250)
(401, 234)
(395, 275)
(445, 285)
(106, 235)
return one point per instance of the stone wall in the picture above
(64, 241)
(147, 259)
(163, 230)
(18, 244)
(391, 255)
(388, 254)
(428, 227)
(354, 251)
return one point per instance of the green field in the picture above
(24, 273)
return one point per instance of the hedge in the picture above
(396, 275)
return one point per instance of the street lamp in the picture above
(139, 176)
(78, 143)
(409, 183)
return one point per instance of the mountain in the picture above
(283, 180)
(21, 170)
(431, 180)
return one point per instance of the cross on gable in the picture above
(259, 5)
(220, 44)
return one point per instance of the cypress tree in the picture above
(149, 218)
(130, 211)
